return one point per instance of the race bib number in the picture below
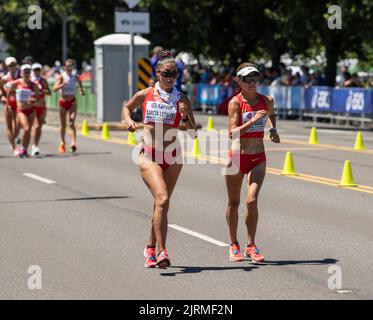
(69, 89)
(23, 94)
(160, 112)
(256, 127)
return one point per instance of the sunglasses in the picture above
(250, 79)
(168, 74)
(26, 71)
(37, 70)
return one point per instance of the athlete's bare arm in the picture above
(82, 93)
(11, 90)
(58, 84)
(186, 112)
(2, 90)
(130, 106)
(272, 119)
(45, 87)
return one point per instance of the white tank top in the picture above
(70, 84)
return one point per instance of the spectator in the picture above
(320, 79)
(305, 75)
(153, 64)
(353, 82)
(297, 80)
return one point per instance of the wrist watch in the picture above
(272, 130)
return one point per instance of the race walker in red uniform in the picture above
(40, 107)
(9, 101)
(67, 82)
(248, 113)
(27, 93)
(163, 108)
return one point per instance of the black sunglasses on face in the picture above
(168, 74)
(250, 79)
(26, 71)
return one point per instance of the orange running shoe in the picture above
(150, 255)
(235, 253)
(163, 261)
(61, 148)
(252, 252)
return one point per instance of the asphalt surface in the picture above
(87, 230)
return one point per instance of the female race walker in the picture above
(27, 93)
(68, 82)
(163, 108)
(248, 112)
(40, 106)
(9, 101)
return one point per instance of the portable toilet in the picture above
(111, 72)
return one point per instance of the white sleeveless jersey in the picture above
(70, 84)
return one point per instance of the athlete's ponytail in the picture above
(165, 56)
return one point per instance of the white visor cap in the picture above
(10, 60)
(247, 70)
(25, 67)
(36, 66)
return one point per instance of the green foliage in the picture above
(229, 31)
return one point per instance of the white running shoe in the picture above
(18, 152)
(35, 151)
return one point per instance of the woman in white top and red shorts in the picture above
(67, 83)
(163, 109)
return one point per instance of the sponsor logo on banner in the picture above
(355, 101)
(320, 99)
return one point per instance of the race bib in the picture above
(160, 112)
(23, 94)
(69, 89)
(256, 127)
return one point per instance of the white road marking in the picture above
(34, 176)
(198, 235)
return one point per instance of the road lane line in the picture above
(198, 235)
(35, 177)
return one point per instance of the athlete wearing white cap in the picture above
(27, 93)
(9, 102)
(40, 108)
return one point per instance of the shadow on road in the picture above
(68, 199)
(66, 155)
(185, 270)
(295, 262)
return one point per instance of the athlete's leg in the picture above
(72, 117)
(39, 121)
(8, 115)
(171, 175)
(26, 123)
(233, 183)
(254, 182)
(63, 124)
(15, 125)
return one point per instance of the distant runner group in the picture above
(22, 92)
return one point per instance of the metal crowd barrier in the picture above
(86, 104)
(339, 105)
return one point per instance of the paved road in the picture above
(87, 230)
